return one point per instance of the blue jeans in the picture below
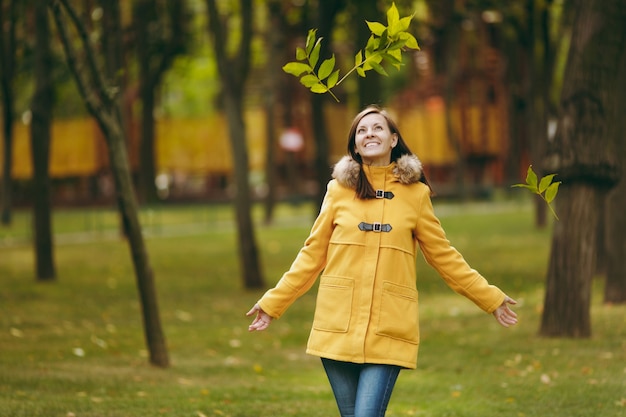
(361, 389)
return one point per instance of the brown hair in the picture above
(364, 189)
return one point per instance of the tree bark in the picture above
(584, 156)
(105, 108)
(41, 125)
(158, 44)
(370, 86)
(233, 72)
(325, 22)
(8, 42)
(615, 288)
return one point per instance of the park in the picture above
(163, 162)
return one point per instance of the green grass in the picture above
(75, 347)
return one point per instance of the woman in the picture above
(376, 211)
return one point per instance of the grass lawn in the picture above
(75, 347)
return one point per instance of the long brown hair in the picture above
(364, 189)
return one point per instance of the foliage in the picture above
(76, 348)
(385, 45)
(544, 188)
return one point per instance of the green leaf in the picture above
(378, 68)
(372, 45)
(358, 59)
(297, 68)
(391, 58)
(309, 80)
(376, 28)
(300, 54)
(411, 42)
(396, 45)
(393, 20)
(360, 71)
(310, 40)
(551, 192)
(332, 79)
(326, 68)
(531, 177)
(319, 88)
(383, 39)
(315, 53)
(545, 182)
(405, 22)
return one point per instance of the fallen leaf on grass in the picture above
(80, 352)
(15, 332)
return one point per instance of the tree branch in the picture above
(92, 101)
(99, 84)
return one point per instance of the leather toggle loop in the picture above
(375, 227)
(384, 194)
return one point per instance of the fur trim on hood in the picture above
(408, 170)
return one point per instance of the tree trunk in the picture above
(40, 143)
(147, 162)
(615, 288)
(8, 24)
(233, 72)
(145, 277)
(369, 87)
(248, 252)
(276, 47)
(106, 110)
(158, 43)
(584, 156)
(568, 290)
(325, 22)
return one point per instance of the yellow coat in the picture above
(367, 302)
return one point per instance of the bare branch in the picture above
(99, 85)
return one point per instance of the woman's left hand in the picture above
(504, 315)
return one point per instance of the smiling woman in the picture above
(364, 243)
(374, 141)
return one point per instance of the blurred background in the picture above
(474, 103)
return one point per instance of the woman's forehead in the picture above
(372, 118)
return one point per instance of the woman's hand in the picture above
(261, 321)
(505, 316)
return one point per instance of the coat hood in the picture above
(408, 170)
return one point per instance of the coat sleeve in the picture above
(449, 263)
(307, 265)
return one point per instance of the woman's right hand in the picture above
(261, 321)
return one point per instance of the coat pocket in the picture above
(399, 315)
(334, 304)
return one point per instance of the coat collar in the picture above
(407, 169)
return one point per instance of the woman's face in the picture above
(373, 140)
